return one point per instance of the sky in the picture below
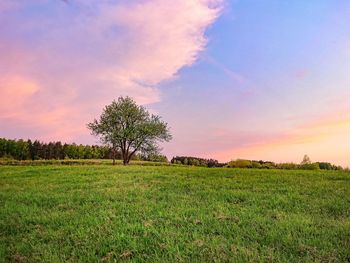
(254, 79)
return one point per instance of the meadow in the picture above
(104, 213)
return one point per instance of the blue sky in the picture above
(289, 60)
(234, 79)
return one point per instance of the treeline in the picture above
(304, 165)
(195, 161)
(37, 150)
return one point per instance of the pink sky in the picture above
(232, 79)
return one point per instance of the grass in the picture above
(101, 213)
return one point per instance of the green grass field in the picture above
(101, 213)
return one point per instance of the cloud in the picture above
(15, 92)
(234, 76)
(61, 63)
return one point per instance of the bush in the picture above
(240, 163)
(195, 162)
(325, 166)
(153, 158)
(287, 166)
(309, 166)
(256, 165)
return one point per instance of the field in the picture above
(101, 213)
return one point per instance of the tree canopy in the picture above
(129, 127)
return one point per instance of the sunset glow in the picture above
(248, 79)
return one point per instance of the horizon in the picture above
(233, 79)
(169, 158)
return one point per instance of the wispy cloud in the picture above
(234, 76)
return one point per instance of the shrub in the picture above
(325, 166)
(240, 163)
(287, 166)
(309, 166)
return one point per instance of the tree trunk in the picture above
(125, 154)
(113, 155)
(129, 157)
(125, 159)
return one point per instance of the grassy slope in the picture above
(93, 213)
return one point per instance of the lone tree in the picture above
(306, 160)
(126, 126)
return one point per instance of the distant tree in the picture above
(306, 160)
(36, 150)
(306, 164)
(3, 150)
(21, 150)
(59, 150)
(213, 163)
(129, 127)
(195, 162)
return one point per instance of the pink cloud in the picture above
(15, 93)
(59, 70)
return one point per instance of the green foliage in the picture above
(26, 150)
(153, 157)
(306, 164)
(329, 166)
(240, 163)
(309, 166)
(288, 166)
(17, 149)
(92, 213)
(256, 165)
(130, 128)
(325, 166)
(195, 161)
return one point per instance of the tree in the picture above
(306, 164)
(306, 160)
(126, 126)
